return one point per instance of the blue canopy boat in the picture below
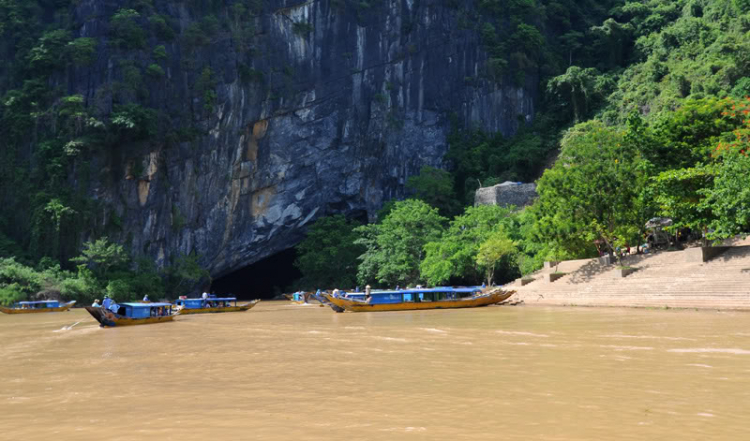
(212, 305)
(128, 314)
(443, 297)
(38, 306)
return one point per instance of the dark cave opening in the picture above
(262, 280)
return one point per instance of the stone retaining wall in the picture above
(508, 193)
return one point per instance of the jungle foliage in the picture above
(647, 106)
(643, 100)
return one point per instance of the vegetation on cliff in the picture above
(651, 117)
(643, 100)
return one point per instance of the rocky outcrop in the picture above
(508, 193)
(329, 110)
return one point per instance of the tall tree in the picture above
(328, 256)
(453, 255)
(591, 192)
(395, 247)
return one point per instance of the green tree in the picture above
(185, 273)
(435, 187)
(493, 250)
(453, 255)
(82, 50)
(577, 86)
(328, 256)
(395, 246)
(729, 197)
(679, 194)
(592, 191)
(125, 31)
(101, 256)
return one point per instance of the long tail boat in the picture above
(35, 307)
(129, 314)
(421, 298)
(212, 305)
(301, 297)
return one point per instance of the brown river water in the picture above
(286, 372)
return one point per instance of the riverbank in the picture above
(667, 279)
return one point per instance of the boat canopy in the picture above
(39, 302)
(145, 305)
(439, 289)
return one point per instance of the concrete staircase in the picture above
(665, 279)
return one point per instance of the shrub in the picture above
(155, 71)
(82, 50)
(125, 30)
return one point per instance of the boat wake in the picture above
(67, 328)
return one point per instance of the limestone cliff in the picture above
(327, 108)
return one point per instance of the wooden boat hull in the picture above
(64, 307)
(240, 308)
(490, 298)
(108, 318)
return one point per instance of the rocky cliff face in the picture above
(328, 109)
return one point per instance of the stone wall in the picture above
(507, 193)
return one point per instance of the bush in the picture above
(155, 71)
(82, 50)
(80, 289)
(11, 294)
(125, 30)
(159, 53)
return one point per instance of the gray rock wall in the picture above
(342, 116)
(517, 194)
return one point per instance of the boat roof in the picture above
(211, 299)
(146, 305)
(38, 302)
(467, 290)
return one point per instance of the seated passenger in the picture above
(96, 304)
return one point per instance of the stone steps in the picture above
(663, 279)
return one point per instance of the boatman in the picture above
(145, 298)
(368, 298)
(107, 302)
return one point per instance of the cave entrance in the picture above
(264, 279)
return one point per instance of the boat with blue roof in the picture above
(37, 306)
(129, 314)
(416, 299)
(211, 304)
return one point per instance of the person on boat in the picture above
(336, 293)
(145, 298)
(107, 302)
(484, 285)
(96, 304)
